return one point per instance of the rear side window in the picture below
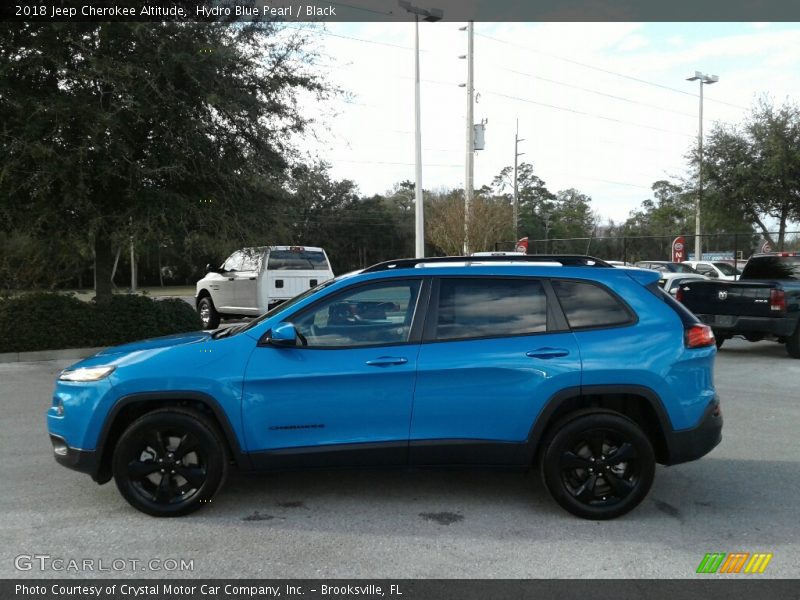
(477, 307)
(589, 305)
(772, 267)
(296, 260)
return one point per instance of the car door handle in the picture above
(547, 353)
(386, 361)
(231, 278)
(252, 279)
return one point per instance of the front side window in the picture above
(368, 315)
(250, 259)
(486, 307)
(589, 305)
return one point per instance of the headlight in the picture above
(86, 374)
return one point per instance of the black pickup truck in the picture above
(764, 304)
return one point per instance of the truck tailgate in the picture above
(750, 298)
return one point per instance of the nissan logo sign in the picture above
(723, 295)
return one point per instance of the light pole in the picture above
(707, 80)
(429, 15)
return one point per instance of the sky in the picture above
(602, 107)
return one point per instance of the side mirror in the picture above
(212, 269)
(284, 335)
(712, 274)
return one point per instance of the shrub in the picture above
(42, 321)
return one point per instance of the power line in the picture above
(602, 70)
(586, 114)
(592, 91)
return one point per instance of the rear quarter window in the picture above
(589, 305)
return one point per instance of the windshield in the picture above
(679, 268)
(296, 259)
(727, 269)
(772, 267)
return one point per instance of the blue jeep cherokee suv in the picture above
(590, 371)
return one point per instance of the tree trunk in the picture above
(103, 259)
(782, 227)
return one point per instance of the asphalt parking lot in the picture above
(742, 497)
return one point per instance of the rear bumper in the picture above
(691, 444)
(734, 325)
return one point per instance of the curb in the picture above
(41, 355)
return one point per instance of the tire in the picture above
(592, 440)
(793, 343)
(153, 477)
(208, 314)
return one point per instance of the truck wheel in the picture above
(793, 343)
(170, 462)
(598, 465)
(208, 314)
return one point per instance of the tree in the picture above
(755, 167)
(166, 130)
(490, 221)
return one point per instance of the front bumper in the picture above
(84, 461)
(691, 444)
(735, 325)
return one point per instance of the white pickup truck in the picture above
(253, 280)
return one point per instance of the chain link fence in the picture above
(714, 246)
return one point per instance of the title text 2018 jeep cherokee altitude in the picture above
(590, 371)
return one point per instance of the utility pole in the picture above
(517, 154)
(430, 16)
(419, 221)
(704, 80)
(133, 260)
(470, 154)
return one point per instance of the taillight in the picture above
(777, 300)
(699, 336)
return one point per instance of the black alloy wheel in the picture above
(170, 462)
(598, 465)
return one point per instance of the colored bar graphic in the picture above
(758, 563)
(722, 562)
(711, 562)
(734, 562)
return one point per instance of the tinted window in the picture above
(380, 313)
(297, 259)
(772, 267)
(589, 305)
(490, 307)
(234, 262)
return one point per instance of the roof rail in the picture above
(566, 260)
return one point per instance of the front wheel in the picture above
(598, 465)
(170, 462)
(208, 314)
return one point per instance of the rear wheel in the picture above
(170, 462)
(208, 314)
(793, 343)
(598, 465)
